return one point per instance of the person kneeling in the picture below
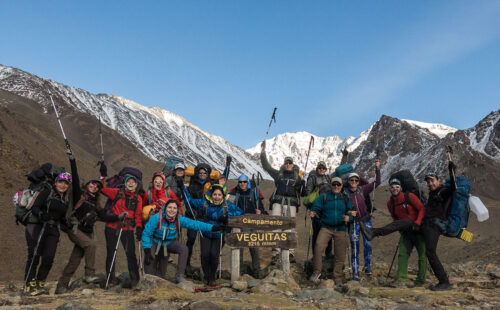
(336, 211)
(162, 230)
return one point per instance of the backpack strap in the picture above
(118, 196)
(407, 202)
(150, 196)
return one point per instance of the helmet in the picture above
(147, 212)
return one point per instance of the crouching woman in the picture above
(160, 237)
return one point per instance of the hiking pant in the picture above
(316, 226)
(128, 242)
(46, 250)
(288, 211)
(85, 246)
(355, 236)
(431, 235)
(158, 266)
(191, 239)
(326, 235)
(254, 253)
(210, 252)
(399, 225)
(407, 241)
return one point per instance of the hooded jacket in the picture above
(134, 213)
(415, 210)
(357, 196)
(331, 208)
(213, 214)
(167, 231)
(159, 197)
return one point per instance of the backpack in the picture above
(343, 171)
(40, 179)
(409, 184)
(458, 214)
(168, 169)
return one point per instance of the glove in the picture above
(415, 227)
(89, 220)
(224, 220)
(451, 166)
(345, 152)
(180, 183)
(103, 169)
(216, 228)
(148, 257)
(138, 233)
(122, 216)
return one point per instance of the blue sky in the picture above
(331, 67)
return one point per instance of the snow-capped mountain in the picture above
(439, 130)
(156, 132)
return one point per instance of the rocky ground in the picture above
(476, 286)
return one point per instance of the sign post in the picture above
(260, 231)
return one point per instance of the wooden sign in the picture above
(261, 222)
(283, 240)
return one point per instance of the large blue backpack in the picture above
(458, 214)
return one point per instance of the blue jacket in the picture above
(154, 234)
(332, 212)
(213, 213)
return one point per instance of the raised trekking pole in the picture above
(114, 254)
(311, 144)
(273, 118)
(141, 266)
(60, 124)
(392, 263)
(449, 151)
(40, 235)
(102, 145)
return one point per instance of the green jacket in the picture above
(331, 208)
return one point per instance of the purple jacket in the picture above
(358, 200)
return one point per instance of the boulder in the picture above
(319, 294)
(240, 285)
(204, 304)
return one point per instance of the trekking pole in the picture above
(449, 151)
(60, 125)
(42, 231)
(141, 266)
(309, 241)
(393, 259)
(102, 145)
(220, 257)
(114, 254)
(228, 166)
(311, 144)
(273, 118)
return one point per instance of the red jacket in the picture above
(119, 207)
(414, 211)
(159, 198)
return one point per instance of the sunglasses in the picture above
(242, 181)
(336, 184)
(201, 172)
(288, 163)
(395, 186)
(321, 168)
(354, 180)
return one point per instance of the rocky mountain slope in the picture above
(155, 132)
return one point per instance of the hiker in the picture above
(334, 210)
(357, 195)
(213, 209)
(246, 198)
(50, 208)
(127, 206)
(162, 231)
(176, 180)
(407, 212)
(83, 218)
(437, 206)
(159, 193)
(199, 183)
(285, 199)
(319, 181)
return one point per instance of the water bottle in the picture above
(479, 209)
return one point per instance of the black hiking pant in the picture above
(399, 225)
(316, 225)
(191, 239)
(46, 250)
(431, 236)
(128, 242)
(210, 252)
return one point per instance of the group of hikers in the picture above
(154, 217)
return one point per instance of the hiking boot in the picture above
(275, 259)
(292, 258)
(441, 287)
(91, 279)
(418, 284)
(338, 283)
(30, 287)
(180, 278)
(315, 277)
(170, 260)
(61, 289)
(367, 231)
(355, 277)
(212, 283)
(397, 284)
(368, 271)
(39, 289)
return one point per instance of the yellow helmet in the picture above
(147, 212)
